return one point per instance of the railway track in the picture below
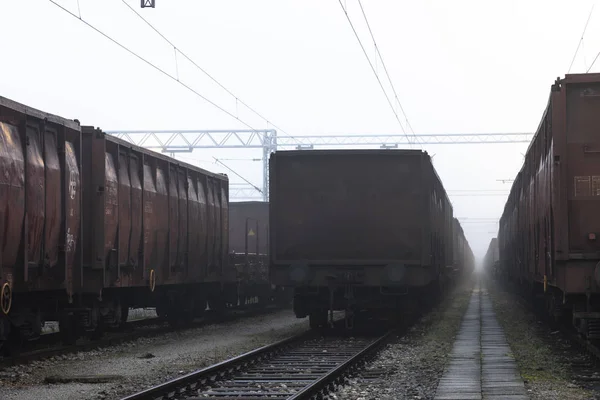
(300, 367)
(49, 344)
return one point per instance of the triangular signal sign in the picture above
(251, 233)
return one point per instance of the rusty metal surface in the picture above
(550, 220)
(376, 218)
(35, 197)
(211, 228)
(110, 192)
(149, 224)
(40, 203)
(12, 195)
(224, 228)
(183, 245)
(197, 231)
(125, 211)
(161, 225)
(583, 169)
(136, 210)
(152, 215)
(72, 196)
(249, 227)
(216, 264)
(83, 213)
(53, 200)
(173, 218)
(358, 206)
(248, 240)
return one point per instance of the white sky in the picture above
(458, 67)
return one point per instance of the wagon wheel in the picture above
(5, 298)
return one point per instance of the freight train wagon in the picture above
(249, 254)
(491, 258)
(548, 238)
(150, 218)
(248, 248)
(357, 229)
(463, 257)
(92, 225)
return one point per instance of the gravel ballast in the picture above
(125, 369)
(411, 366)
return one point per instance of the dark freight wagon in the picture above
(492, 257)
(463, 257)
(549, 230)
(91, 225)
(153, 223)
(40, 216)
(249, 227)
(249, 248)
(371, 225)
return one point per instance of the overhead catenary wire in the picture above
(385, 68)
(373, 68)
(153, 65)
(581, 39)
(593, 62)
(477, 190)
(195, 64)
(238, 175)
(478, 195)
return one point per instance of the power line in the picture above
(384, 67)
(151, 64)
(478, 218)
(478, 190)
(240, 176)
(372, 68)
(178, 50)
(593, 62)
(478, 194)
(581, 40)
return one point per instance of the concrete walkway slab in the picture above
(480, 365)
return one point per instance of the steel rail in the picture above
(191, 381)
(324, 384)
(188, 385)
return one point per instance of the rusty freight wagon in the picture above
(249, 227)
(463, 258)
(491, 259)
(40, 217)
(549, 231)
(248, 247)
(92, 225)
(249, 254)
(158, 231)
(357, 229)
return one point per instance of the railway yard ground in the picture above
(409, 367)
(130, 367)
(418, 363)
